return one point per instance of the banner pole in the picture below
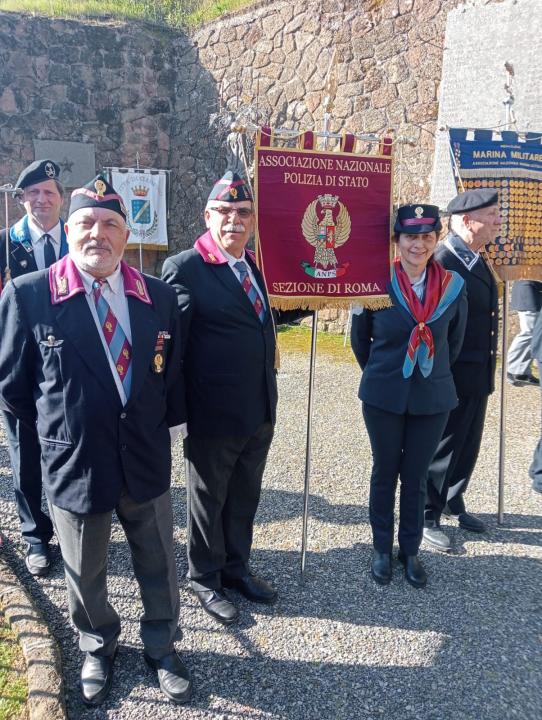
(7, 190)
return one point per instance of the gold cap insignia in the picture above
(100, 188)
(233, 192)
(62, 285)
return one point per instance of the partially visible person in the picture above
(535, 470)
(91, 353)
(231, 395)
(527, 300)
(406, 388)
(35, 242)
(475, 221)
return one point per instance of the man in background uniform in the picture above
(527, 300)
(231, 393)
(35, 242)
(475, 221)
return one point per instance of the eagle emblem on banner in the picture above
(326, 228)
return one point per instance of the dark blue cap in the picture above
(38, 171)
(473, 200)
(230, 188)
(97, 193)
(417, 218)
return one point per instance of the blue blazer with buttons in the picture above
(380, 340)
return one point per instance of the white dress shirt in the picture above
(38, 241)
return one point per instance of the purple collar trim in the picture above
(211, 253)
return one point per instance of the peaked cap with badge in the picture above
(416, 219)
(97, 193)
(473, 200)
(230, 188)
(36, 172)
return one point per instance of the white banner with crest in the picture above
(144, 194)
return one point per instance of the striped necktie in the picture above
(250, 290)
(49, 255)
(117, 342)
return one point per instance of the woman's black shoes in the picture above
(414, 572)
(381, 567)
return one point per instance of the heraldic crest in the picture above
(326, 234)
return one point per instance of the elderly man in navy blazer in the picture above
(231, 393)
(33, 243)
(90, 355)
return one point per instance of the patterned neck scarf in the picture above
(441, 289)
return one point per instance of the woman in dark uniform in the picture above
(407, 389)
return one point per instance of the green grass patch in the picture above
(297, 338)
(178, 14)
(13, 687)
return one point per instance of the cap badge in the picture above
(233, 192)
(418, 212)
(50, 170)
(100, 188)
(62, 285)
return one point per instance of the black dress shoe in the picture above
(38, 560)
(96, 678)
(253, 588)
(381, 567)
(218, 605)
(436, 538)
(173, 677)
(519, 380)
(414, 572)
(471, 523)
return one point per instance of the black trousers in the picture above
(402, 447)
(224, 480)
(454, 461)
(25, 457)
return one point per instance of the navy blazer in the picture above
(21, 252)
(380, 340)
(474, 369)
(229, 355)
(54, 373)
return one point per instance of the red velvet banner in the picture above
(323, 227)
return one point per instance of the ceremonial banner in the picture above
(323, 226)
(512, 164)
(144, 195)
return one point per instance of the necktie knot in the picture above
(241, 267)
(49, 254)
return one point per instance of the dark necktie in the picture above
(250, 290)
(117, 342)
(49, 255)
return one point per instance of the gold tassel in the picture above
(379, 302)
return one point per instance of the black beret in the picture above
(97, 193)
(36, 172)
(417, 218)
(230, 188)
(473, 200)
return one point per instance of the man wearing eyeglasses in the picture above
(231, 394)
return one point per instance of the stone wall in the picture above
(135, 87)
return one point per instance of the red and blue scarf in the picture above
(441, 289)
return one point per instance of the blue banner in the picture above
(511, 163)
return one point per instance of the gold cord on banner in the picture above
(376, 302)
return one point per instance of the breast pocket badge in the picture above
(159, 360)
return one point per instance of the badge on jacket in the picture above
(159, 360)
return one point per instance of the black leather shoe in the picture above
(519, 380)
(38, 560)
(96, 678)
(471, 523)
(381, 567)
(434, 537)
(414, 572)
(218, 605)
(253, 588)
(173, 677)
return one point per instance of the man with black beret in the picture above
(91, 355)
(475, 221)
(231, 393)
(33, 243)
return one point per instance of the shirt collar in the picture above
(231, 259)
(461, 250)
(420, 283)
(36, 233)
(115, 281)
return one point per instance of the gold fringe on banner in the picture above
(377, 302)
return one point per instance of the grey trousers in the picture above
(84, 541)
(519, 356)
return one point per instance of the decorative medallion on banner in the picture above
(512, 164)
(144, 196)
(323, 226)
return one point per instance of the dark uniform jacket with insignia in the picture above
(54, 372)
(231, 386)
(21, 253)
(474, 369)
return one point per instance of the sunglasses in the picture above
(244, 213)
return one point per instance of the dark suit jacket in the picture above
(379, 342)
(526, 296)
(54, 372)
(21, 254)
(474, 369)
(231, 386)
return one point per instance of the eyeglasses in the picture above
(243, 213)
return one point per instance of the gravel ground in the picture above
(336, 645)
